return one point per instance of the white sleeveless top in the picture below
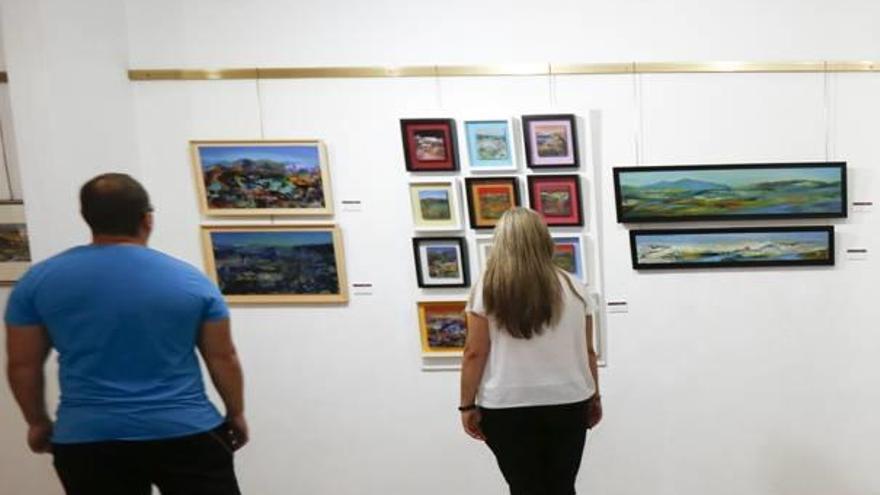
(550, 368)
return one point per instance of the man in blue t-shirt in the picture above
(126, 321)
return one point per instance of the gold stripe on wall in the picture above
(500, 70)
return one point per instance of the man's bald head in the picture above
(114, 204)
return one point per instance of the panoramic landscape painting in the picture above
(300, 265)
(443, 326)
(646, 194)
(768, 246)
(254, 178)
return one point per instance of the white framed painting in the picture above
(568, 254)
(436, 205)
(482, 248)
(490, 144)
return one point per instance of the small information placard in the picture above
(857, 254)
(617, 306)
(862, 206)
(362, 289)
(352, 205)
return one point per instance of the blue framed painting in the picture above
(568, 254)
(732, 247)
(730, 192)
(490, 144)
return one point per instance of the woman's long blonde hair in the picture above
(521, 288)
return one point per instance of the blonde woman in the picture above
(529, 383)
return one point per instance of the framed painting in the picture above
(443, 327)
(557, 198)
(732, 247)
(15, 254)
(491, 145)
(568, 254)
(277, 263)
(441, 262)
(730, 192)
(435, 205)
(483, 247)
(429, 145)
(241, 178)
(550, 141)
(488, 199)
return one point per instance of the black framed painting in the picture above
(441, 262)
(489, 197)
(557, 198)
(755, 191)
(429, 145)
(732, 247)
(550, 141)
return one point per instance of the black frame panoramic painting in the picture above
(731, 247)
(683, 193)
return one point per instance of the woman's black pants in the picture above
(538, 448)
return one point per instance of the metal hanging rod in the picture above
(499, 70)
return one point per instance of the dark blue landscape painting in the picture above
(275, 262)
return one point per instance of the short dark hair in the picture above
(114, 204)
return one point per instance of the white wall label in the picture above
(862, 206)
(352, 205)
(857, 253)
(617, 306)
(362, 289)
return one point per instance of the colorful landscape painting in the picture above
(14, 243)
(556, 201)
(443, 326)
(493, 202)
(552, 140)
(646, 194)
(430, 145)
(435, 204)
(258, 177)
(276, 262)
(732, 247)
(489, 198)
(489, 143)
(443, 262)
(567, 255)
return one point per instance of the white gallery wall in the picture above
(743, 381)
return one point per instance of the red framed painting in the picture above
(557, 198)
(429, 145)
(488, 199)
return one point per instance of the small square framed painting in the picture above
(277, 263)
(15, 254)
(557, 198)
(483, 247)
(435, 205)
(441, 262)
(488, 199)
(568, 254)
(491, 145)
(550, 141)
(429, 145)
(443, 327)
(246, 178)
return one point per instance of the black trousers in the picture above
(539, 448)
(199, 464)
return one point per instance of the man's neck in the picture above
(104, 240)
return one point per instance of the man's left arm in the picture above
(27, 347)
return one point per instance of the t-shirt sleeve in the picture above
(21, 309)
(581, 292)
(215, 304)
(475, 300)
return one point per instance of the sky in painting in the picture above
(302, 155)
(751, 237)
(433, 194)
(738, 177)
(279, 239)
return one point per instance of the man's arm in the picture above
(27, 347)
(218, 351)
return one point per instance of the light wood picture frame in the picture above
(15, 256)
(267, 264)
(443, 327)
(259, 178)
(436, 205)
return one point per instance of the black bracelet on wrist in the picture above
(469, 407)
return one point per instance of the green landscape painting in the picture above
(646, 194)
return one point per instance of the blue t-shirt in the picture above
(125, 320)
